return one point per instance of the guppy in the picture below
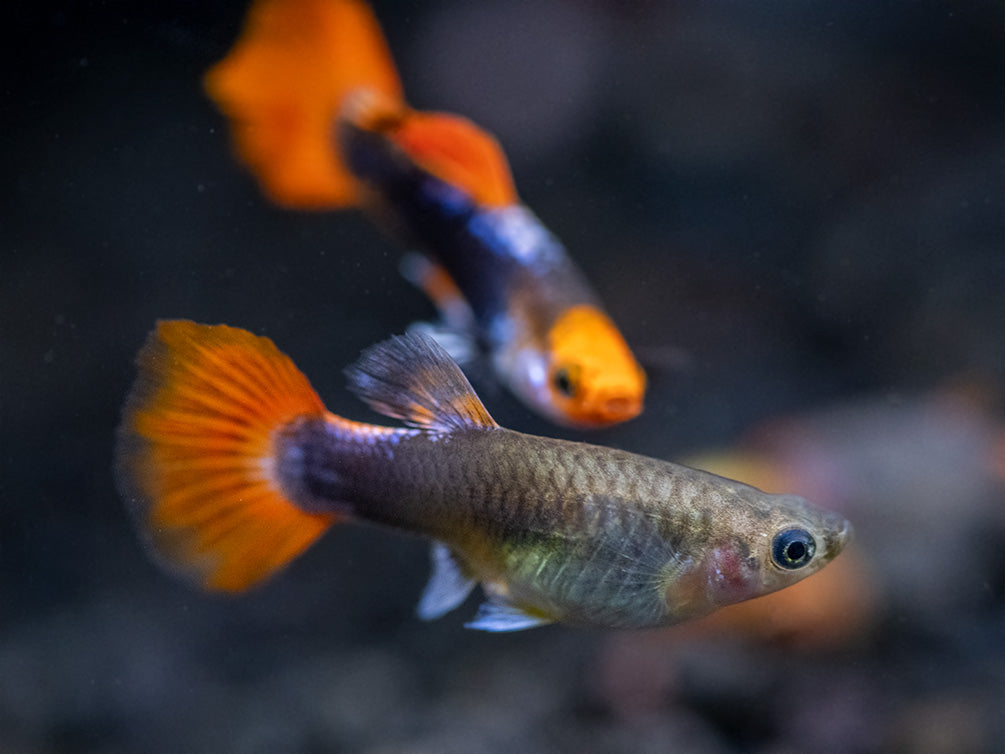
(317, 113)
(232, 466)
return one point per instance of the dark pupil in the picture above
(793, 548)
(796, 551)
(563, 382)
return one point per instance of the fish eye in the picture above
(564, 381)
(793, 548)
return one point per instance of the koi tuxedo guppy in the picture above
(317, 113)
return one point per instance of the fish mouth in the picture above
(843, 533)
(621, 407)
(604, 411)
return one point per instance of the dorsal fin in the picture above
(410, 377)
(449, 147)
(457, 151)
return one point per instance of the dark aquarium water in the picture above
(794, 211)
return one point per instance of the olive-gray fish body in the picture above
(231, 467)
(560, 530)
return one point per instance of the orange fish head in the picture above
(591, 378)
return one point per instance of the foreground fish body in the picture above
(318, 114)
(232, 467)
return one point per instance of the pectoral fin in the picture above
(459, 344)
(433, 280)
(448, 585)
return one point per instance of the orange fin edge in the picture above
(282, 85)
(195, 460)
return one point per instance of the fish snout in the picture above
(600, 409)
(840, 533)
(613, 404)
(620, 407)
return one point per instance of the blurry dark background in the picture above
(792, 209)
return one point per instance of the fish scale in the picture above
(588, 549)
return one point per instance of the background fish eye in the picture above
(793, 548)
(564, 381)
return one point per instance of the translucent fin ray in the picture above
(410, 377)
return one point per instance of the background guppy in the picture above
(316, 111)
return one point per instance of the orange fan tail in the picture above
(195, 455)
(282, 86)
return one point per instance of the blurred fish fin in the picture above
(195, 459)
(283, 84)
(412, 378)
(448, 585)
(498, 616)
(433, 280)
(459, 153)
(465, 349)
(460, 345)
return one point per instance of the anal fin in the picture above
(499, 616)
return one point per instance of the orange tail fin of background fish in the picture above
(283, 87)
(195, 454)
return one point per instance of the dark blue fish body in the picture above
(499, 256)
